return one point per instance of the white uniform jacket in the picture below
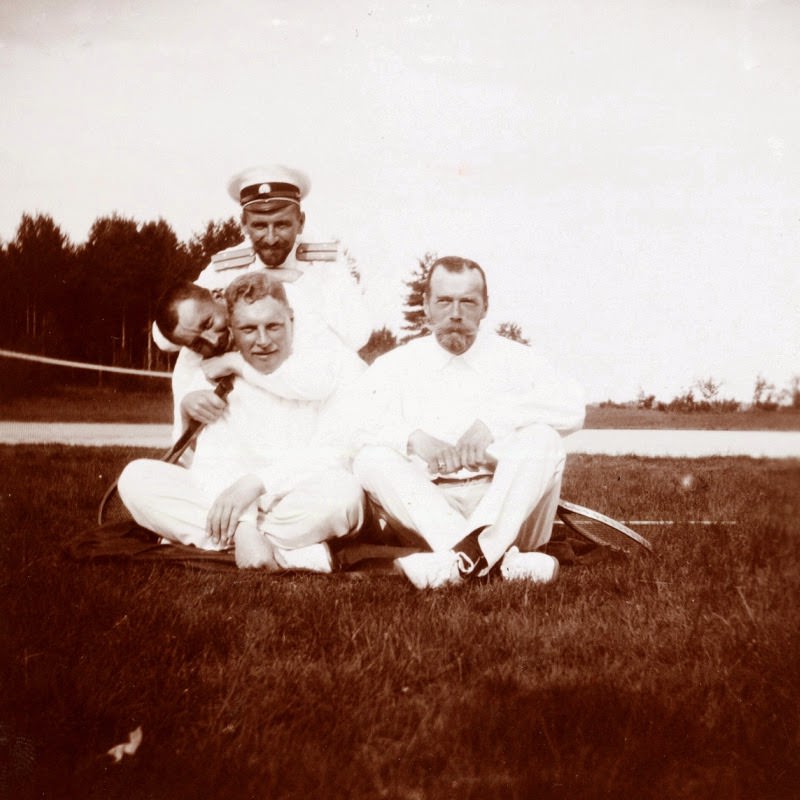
(325, 296)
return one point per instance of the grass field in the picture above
(670, 676)
(154, 405)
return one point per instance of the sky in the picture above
(628, 174)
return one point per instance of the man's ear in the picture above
(302, 222)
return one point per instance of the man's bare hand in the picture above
(441, 456)
(230, 505)
(471, 447)
(217, 367)
(203, 405)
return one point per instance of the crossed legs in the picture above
(517, 506)
(172, 502)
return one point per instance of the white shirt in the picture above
(505, 384)
(267, 435)
(331, 320)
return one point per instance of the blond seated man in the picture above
(261, 480)
(461, 443)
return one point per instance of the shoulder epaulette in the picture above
(317, 251)
(228, 259)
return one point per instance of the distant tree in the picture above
(794, 391)
(511, 330)
(764, 394)
(684, 402)
(124, 268)
(708, 388)
(645, 400)
(414, 313)
(216, 236)
(380, 341)
(352, 264)
(37, 266)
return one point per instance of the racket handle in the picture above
(222, 390)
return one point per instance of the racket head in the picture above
(111, 508)
(600, 529)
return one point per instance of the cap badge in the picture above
(265, 188)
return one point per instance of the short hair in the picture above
(252, 287)
(166, 316)
(455, 264)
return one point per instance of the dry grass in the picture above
(148, 400)
(754, 419)
(670, 676)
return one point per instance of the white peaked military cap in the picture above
(269, 183)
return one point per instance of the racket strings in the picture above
(605, 531)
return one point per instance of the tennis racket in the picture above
(193, 428)
(600, 529)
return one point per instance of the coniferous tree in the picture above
(216, 236)
(380, 341)
(414, 313)
(513, 331)
(37, 264)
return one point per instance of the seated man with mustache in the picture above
(260, 479)
(461, 440)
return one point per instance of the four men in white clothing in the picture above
(456, 435)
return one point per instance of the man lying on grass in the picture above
(260, 479)
(462, 448)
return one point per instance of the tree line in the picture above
(94, 302)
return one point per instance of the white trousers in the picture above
(518, 502)
(172, 502)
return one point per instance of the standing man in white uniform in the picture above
(260, 478)
(462, 449)
(329, 308)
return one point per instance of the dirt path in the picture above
(676, 443)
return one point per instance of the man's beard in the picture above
(273, 256)
(456, 340)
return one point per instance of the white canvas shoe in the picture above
(313, 557)
(431, 570)
(534, 567)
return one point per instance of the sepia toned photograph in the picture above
(400, 400)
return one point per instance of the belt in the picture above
(461, 481)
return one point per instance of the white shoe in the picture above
(314, 557)
(534, 567)
(431, 570)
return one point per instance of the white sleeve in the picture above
(546, 397)
(343, 306)
(376, 408)
(187, 376)
(215, 280)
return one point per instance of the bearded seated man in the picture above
(261, 479)
(461, 441)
